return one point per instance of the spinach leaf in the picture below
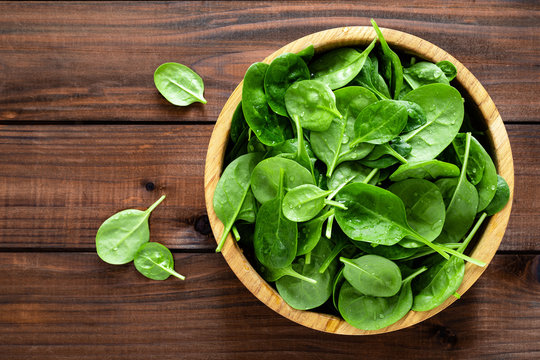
(310, 232)
(423, 73)
(379, 122)
(502, 195)
(333, 145)
(155, 261)
(265, 177)
(338, 281)
(442, 125)
(238, 124)
(179, 84)
(304, 202)
(448, 69)
(121, 235)
(232, 190)
(248, 211)
(267, 125)
(392, 252)
(385, 155)
(377, 216)
(392, 69)
(284, 70)
(416, 116)
(487, 183)
(338, 67)
(429, 170)
(370, 78)
(307, 53)
(350, 172)
(477, 161)
(303, 295)
(311, 104)
(276, 237)
(443, 278)
(272, 275)
(372, 313)
(373, 275)
(462, 204)
(424, 206)
(289, 150)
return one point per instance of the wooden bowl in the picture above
(470, 87)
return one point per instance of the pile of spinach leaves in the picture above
(348, 179)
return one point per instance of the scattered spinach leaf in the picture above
(179, 84)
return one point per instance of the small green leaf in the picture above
(156, 262)
(179, 84)
(121, 235)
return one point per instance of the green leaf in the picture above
(179, 84)
(121, 235)
(156, 262)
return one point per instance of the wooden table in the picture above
(84, 133)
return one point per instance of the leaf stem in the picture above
(154, 205)
(335, 203)
(236, 233)
(335, 252)
(329, 224)
(370, 176)
(414, 274)
(469, 237)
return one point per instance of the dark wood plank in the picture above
(61, 306)
(59, 182)
(94, 61)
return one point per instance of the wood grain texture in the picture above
(59, 182)
(59, 306)
(473, 93)
(93, 61)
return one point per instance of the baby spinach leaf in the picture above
(248, 211)
(423, 73)
(272, 275)
(179, 84)
(477, 161)
(429, 170)
(372, 313)
(487, 183)
(350, 172)
(301, 294)
(385, 155)
(373, 275)
(379, 122)
(265, 177)
(502, 195)
(310, 232)
(375, 215)
(267, 125)
(338, 281)
(276, 237)
(461, 208)
(121, 235)
(284, 70)
(307, 53)
(424, 206)
(232, 190)
(311, 104)
(370, 78)
(304, 202)
(392, 252)
(338, 67)
(442, 125)
(238, 124)
(333, 145)
(156, 262)
(416, 116)
(392, 69)
(448, 69)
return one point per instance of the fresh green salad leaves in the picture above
(124, 237)
(358, 180)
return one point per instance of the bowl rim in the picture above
(485, 248)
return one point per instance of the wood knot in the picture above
(446, 337)
(202, 225)
(150, 186)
